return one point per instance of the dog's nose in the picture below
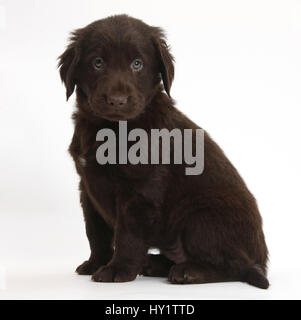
(117, 100)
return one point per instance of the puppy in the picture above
(207, 227)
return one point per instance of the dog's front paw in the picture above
(114, 273)
(87, 268)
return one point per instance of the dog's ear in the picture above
(68, 62)
(166, 60)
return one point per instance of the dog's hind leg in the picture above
(192, 273)
(222, 245)
(157, 266)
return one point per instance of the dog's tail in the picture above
(255, 275)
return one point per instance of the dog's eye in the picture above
(97, 63)
(137, 65)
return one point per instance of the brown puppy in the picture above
(206, 226)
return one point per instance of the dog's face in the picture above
(116, 64)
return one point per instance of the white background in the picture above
(238, 75)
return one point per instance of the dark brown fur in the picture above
(207, 227)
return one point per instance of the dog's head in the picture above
(116, 64)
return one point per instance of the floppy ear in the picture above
(67, 65)
(166, 59)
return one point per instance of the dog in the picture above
(207, 227)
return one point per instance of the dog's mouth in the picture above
(113, 116)
(117, 114)
(101, 109)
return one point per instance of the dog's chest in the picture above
(106, 183)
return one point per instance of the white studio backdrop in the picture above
(238, 75)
